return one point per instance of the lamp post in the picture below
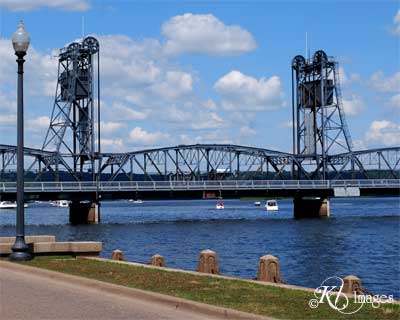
(20, 41)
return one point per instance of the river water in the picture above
(361, 237)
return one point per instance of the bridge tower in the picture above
(319, 123)
(77, 103)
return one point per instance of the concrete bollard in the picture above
(351, 283)
(208, 262)
(117, 255)
(157, 260)
(268, 269)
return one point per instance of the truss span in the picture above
(208, 162)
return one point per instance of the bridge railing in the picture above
(89, 186)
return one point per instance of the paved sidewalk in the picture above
(41, 294)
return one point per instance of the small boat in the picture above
(136, 201)
(219, 205)
(10, 205)
(63, 203)
(60, 203)
(271, 205)
(257, 203)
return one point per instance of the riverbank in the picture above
(273, 301)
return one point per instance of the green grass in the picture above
(236, 294)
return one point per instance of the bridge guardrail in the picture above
(89, 186)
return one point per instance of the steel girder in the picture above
(214, 161)
(367, 162)
(36, 161)
(192, 162)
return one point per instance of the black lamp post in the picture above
(20, 41)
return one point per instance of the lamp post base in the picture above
(20, 250)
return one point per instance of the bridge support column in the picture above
(84, 212)
(311, 207)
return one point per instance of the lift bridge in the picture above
(70, 165)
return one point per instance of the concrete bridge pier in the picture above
(311, 207)
(84, 212)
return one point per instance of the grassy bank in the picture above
(240, 295)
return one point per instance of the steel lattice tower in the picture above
(77, 102)
(319, 124)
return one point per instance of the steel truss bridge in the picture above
(210, 162)
(322, 148)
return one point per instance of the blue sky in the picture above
(176, 72)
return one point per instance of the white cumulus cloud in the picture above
(125, 60)
(8, 120)
(247, 132)
(210, 105)
(28, 5)
(40, 70)
(175, 85)
(353, 105)
(359, 144)
(381, 83)
(347, 79)
(286, 124)
(241, 92)
(38, 124)
(8, 102)
(121, 112)
(396, 23)
(138, 73)
(199, 120)
(394, 102)
(205, 34)
(115, 145)
(383, 132)
(141, 137)
(215, 136)
(110, 127)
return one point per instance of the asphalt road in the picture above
(30, 296)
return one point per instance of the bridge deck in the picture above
(72, 186)
(193, 189)
(207, 161)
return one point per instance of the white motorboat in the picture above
(137, 201)
(257, 203)
(271, 205)
(219, 205)
(60, 203)
(10, 205)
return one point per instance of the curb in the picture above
(171, 301)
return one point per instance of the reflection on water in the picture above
(360, 238)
